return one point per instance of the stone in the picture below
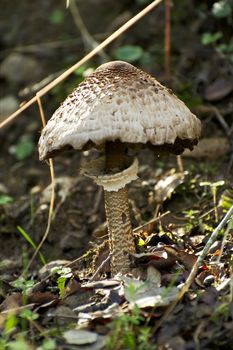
(18, 69)
(8, 105)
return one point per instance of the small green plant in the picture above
(48, 344)
(222, 9)
(19, 344)
(214, 186)
(57, 17)
(192, 215)
(211, 38)
(128, 332)
(4, 199)
(23, 149)
(20, 320)
(226, 200)
(31, 242)
(221, 313)
(132, 54)
(64, 273)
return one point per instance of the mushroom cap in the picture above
(120, 102)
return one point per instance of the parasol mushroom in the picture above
(119, 106)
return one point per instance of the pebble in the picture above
(8, 105)
(18, 69)
(72, 240)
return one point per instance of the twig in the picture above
(89, 42)
(91, 54)
(224, 240)
(36, 287)
(52, 196)
(17, 309)
(195, 268)
(32, 89)
(221, 120)
(180, 163)
(168, 40)
(104, 262)
(167, 46)
(139, 228)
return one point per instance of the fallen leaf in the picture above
(218, 90)
(166, 186)
(185, 258)
(41, 297)
(146, 294)
(13, 301)
(212, 148)
(80, 337)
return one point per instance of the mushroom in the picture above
(119, 107)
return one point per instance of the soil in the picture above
(46, 32)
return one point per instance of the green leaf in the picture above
(48, 344)
(226, 200)
(221, 9)
(61, 281)
(23, 149)
(22, 284)
(31, 242)
(57, 17)
(29, 315)
(141, 242)
(210, 38)
(4, 199)
(19, 344)
(230, 224)
(62, 271)
(130, 53)
(10, 324)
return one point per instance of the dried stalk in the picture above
(168, 40)
(52, 196)
(88, 40)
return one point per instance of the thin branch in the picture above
(168, 40)
(52, 196)
(88, 40)
(104, 262)
(91, 54)
(195, 268)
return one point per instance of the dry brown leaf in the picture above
(166, 186)
(218, 90)
(212, 148)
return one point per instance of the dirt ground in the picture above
(44, 40)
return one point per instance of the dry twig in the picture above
(52, 196)
(88, 40)
(168, 40)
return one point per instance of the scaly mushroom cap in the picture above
(120, 102)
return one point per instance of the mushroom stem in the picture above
(114, 156)
(121, 240)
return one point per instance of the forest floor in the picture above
(56, 303)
